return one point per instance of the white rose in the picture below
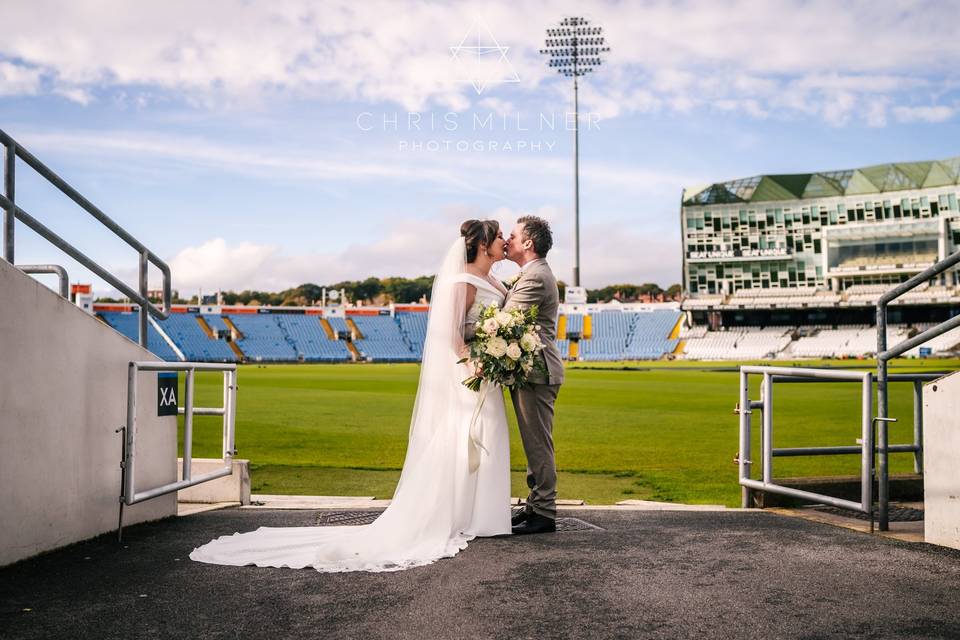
(528, 341)
(504, 318)
(496, 347)
(490, 326)
(513, 351)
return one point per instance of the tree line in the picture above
(381, 291)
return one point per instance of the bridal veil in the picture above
(431, 508)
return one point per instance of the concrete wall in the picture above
(63, 379)
(232, 488)
(941, 461)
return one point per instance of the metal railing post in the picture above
(188, 425)
(230, 416)
(767, 434)
(866, 444)
(883, 477)
(131, 431)
(884, 355)
(918, 426)
(144, 263)
(744, 458)
(9, 189)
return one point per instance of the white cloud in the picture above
(611, 252)
(938, 113)
(187, 151)
(411, 248)
(838, 107)
(215, 264)
(815, 58)
(876, 115)
(480, 172)
(18, 79)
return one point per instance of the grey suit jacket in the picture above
(538, 286)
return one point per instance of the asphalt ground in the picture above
(647, 574)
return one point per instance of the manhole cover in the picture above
(575, 524)
(347, 518)
(357, 518)
(894, 514)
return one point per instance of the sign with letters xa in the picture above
(167, 393)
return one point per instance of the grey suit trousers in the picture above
(534, 409)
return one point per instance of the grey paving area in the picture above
(647, 574)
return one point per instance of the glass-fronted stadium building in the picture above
(829, 231)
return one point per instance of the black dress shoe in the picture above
(518, 517)
(535, 523)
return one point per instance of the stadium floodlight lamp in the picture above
(575, 49)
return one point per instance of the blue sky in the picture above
(246, 144)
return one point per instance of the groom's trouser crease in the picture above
(534, 409)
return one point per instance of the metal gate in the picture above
(130, 493)
(765, 404)
(865, 446)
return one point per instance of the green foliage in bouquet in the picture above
(506, 348)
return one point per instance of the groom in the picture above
(528, 245)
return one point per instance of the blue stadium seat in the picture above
(649, 339)
(629, 335)
(339, 325)
(310, 341)
(382, 340)
(129, 325)
(263, 338)
(413, 327)
(574, 325)
(196, 345)
(216, 322)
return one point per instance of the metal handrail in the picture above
(50, 268)
(884, 355)
(12, 212)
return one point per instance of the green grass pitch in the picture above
(657, 431)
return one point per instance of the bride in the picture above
(439, 504)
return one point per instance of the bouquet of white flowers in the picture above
(505, 349)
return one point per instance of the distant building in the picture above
(830, 230)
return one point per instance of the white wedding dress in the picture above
(439, 504)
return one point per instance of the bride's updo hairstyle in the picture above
(476, 233)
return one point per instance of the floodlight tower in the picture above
(575, 49)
